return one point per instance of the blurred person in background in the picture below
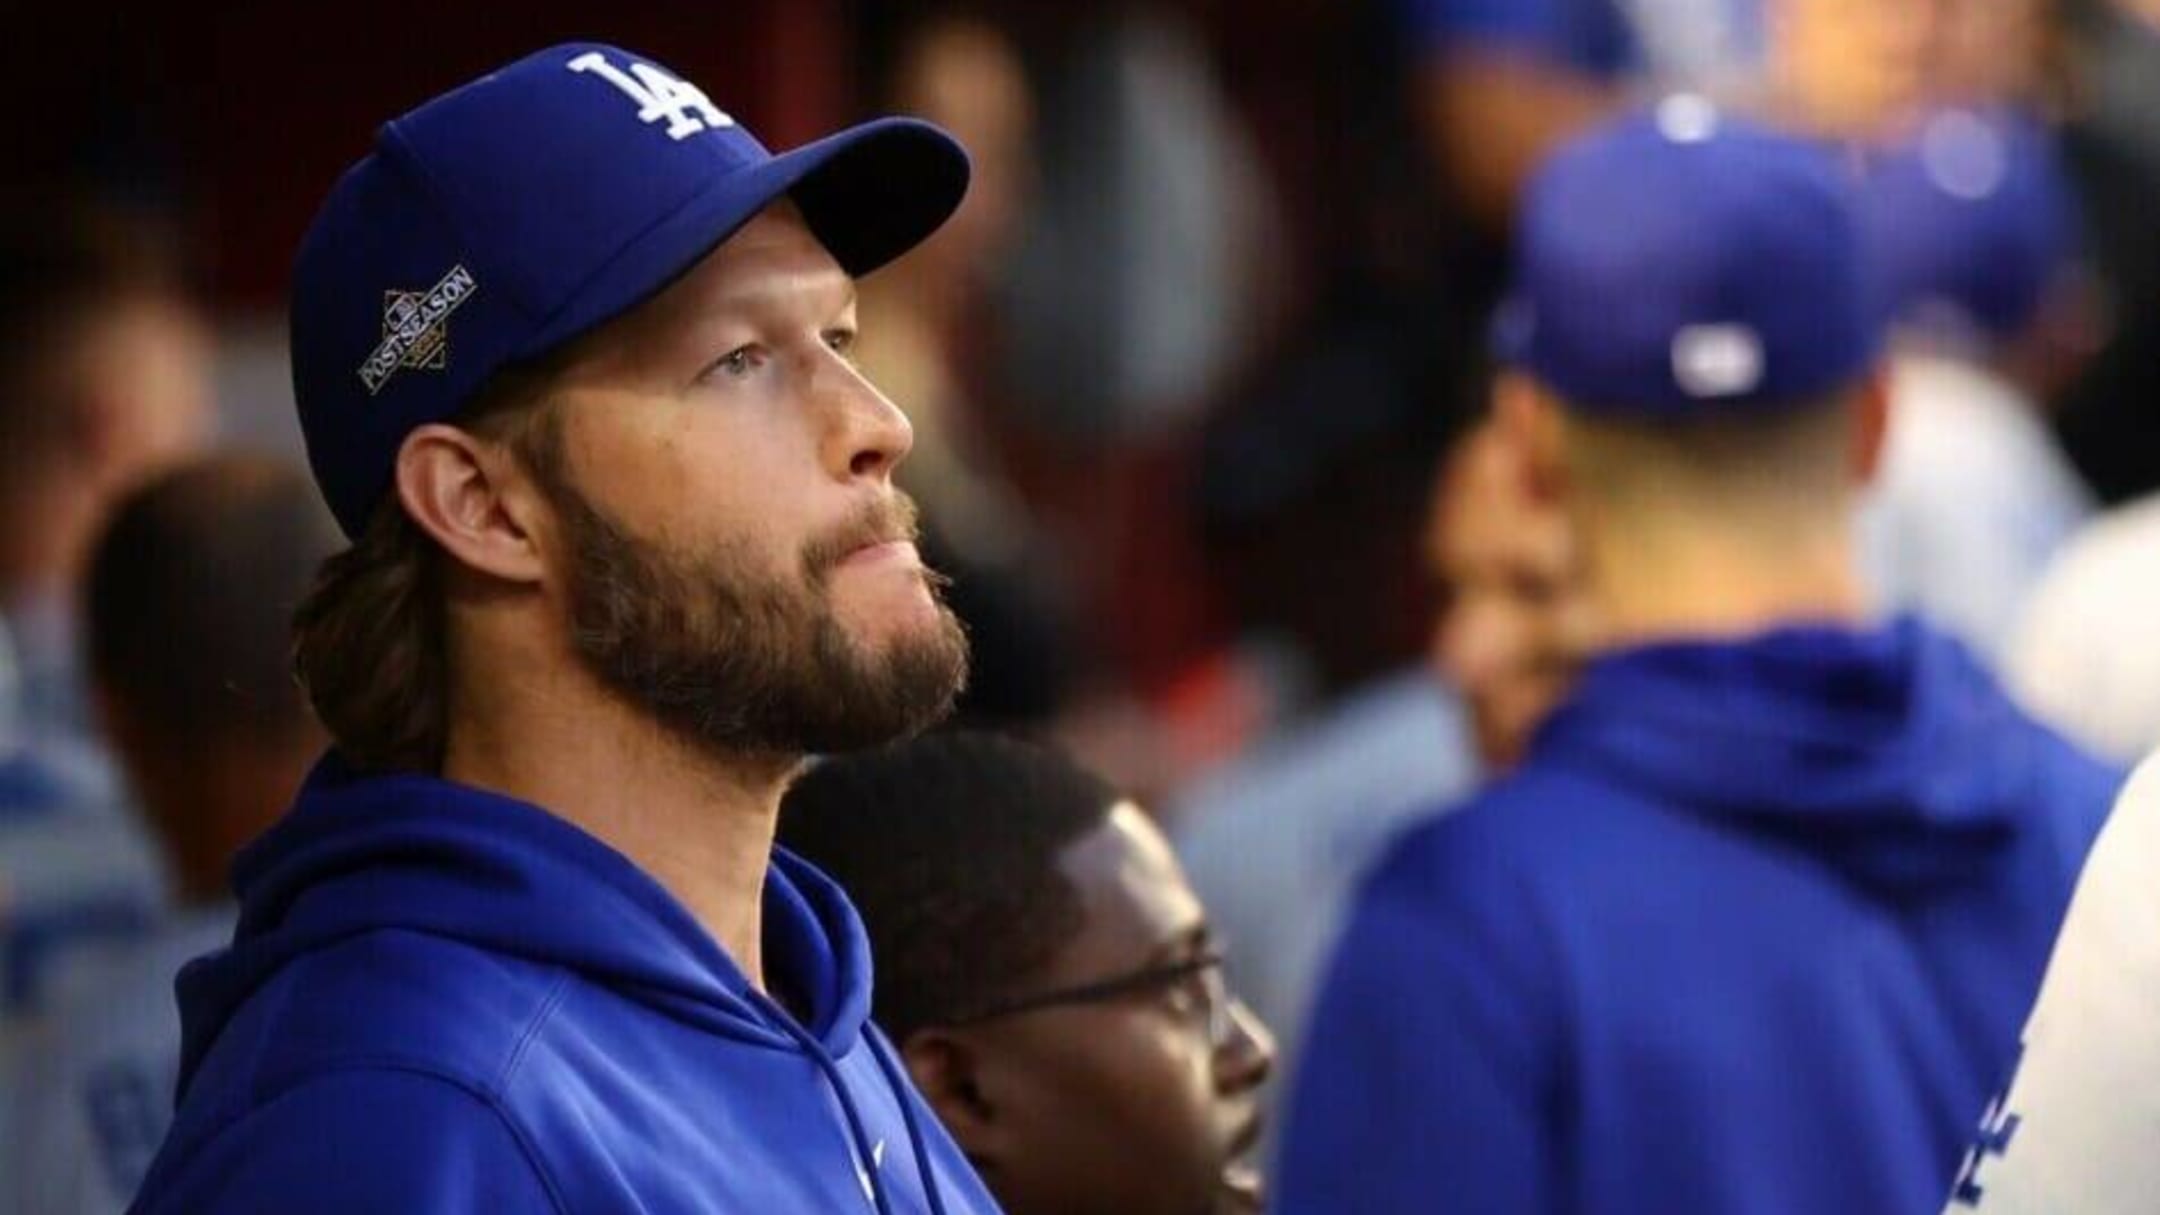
(2106, 56)
(1140, 276)
(104, 378)
(1308, 810)
(1506, 81)
(1313, 470)
(1499, 83)
(187, 608)
(2083, 656)
(1139, 286)
(1847, 69)
(1503, 82)
(1972, 226)
(1496, 85)
(1514, 623)
(933, 326)
(1053, 983)
(1748, 926)
(2077, 652)
(1276, 842)
(2074, 1127)
(2073, 1131)
(188, 613)
(1997, 53)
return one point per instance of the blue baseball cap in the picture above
(1682, 259)
(1971, 221)
(503, 219)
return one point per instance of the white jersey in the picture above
(2078, 1129)
(2080, 660)
(92, 1082)
(1972, 501)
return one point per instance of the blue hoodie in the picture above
(1751, 930)
(439, 999)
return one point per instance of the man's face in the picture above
(1510, 630)
(1990, 50)
(143, 365)
(1147, 1104)
(1854, 66)
(966, 77)
(734, 557)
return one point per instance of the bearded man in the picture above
(571, 351)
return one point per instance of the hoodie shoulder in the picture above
(386, 998)
(1488, 880)
(364, 1139)
(1525, 822)
(2081, 792)
(1434, 1044)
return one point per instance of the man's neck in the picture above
(699, 825)
(1712, 586)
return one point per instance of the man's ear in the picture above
(1871, 426)
(1528, 421)
(471, 496)
(947, 1067)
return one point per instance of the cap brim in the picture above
(869, 193)
(873, 192)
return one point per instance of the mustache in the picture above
(886, 520)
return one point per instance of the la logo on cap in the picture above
(658, 95)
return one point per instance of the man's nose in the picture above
(1246, 1057)
(868, 435)
(1469, 644)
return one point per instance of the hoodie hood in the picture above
(1882, 751)
(361, 853)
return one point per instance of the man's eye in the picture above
(738, 362)
(841, 341)
(1189, 994)
(1180, 999)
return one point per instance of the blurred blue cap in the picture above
(507, 217)
(1682, 259)
(1971, 221)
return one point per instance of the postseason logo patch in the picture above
(416, 331)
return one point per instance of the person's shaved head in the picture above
(190, 592)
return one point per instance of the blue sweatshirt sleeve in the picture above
(1429, 1075)
(358, 1142)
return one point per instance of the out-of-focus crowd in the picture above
(1199, 383)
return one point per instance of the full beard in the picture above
(738, 664)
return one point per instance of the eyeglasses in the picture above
(1198, 979)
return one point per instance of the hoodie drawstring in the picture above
(867, 1161)
(893, 1079)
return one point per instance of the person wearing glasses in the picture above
(1050, 977)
